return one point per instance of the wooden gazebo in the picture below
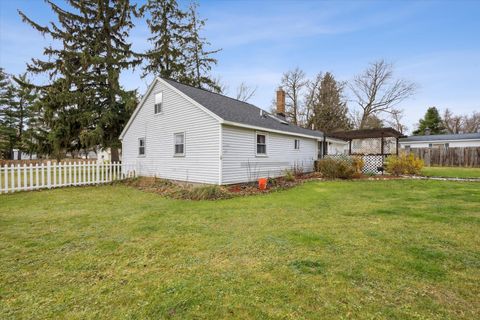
(372, 144)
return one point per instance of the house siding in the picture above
(451, 144)
(201, 161)
(240, 164)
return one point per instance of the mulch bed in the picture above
(185, 191)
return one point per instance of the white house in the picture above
(441, 141)
(183, 133)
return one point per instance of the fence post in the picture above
(37, 177)
(74, 173)
(31, 176)
(49, 177)
(6, 178)
(12, 176)
(98, 173)
(24, 176)
(19, 177)
(54, 172)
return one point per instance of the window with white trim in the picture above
(179, 139)
(297, 144)
(141, 146)
(158, 102)
(261, 144)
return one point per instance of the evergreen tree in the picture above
(166, 22)
(20, 111)
(330, 112)
(199, 61)
(431, 121)
(84, 105)
(7, 131)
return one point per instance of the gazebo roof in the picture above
(366, 133)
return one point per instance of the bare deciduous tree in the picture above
(376, 91)
(245, 92)
(220, 85)
(293, 83)
(453, 123)
(310, 97)
(395, 120)
(461, 123)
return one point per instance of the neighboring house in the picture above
(24, 155)
(441, 141)
(184, 133)
(336, 146)
(98, 154)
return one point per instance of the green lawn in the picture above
(451, 172)
(397, 249)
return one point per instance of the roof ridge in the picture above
(209, 91)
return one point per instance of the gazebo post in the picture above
(350, 147)
(397, 146)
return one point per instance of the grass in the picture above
(392, 249)
(451, 172)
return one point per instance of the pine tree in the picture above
(84, 105)
(20, 110)
(330, 112)
(7, 131)
(199, 61)
(169, 37)
(432, 121)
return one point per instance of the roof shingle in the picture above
(233, 110)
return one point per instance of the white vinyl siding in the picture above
(451, 143)
(200, 162)
(240, 162)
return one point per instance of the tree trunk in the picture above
(114, 155)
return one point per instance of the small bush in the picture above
(358, 163)
(289, 175)
(403, 164)
(202, 193)
(336, 168)
(297, 169)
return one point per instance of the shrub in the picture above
(358, 163)
(336, 168)
(202, 193)
(289, 175)
(403, 164)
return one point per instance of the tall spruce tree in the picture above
(199, 60)
(166, 22)
(20, 110)
(84, 105)
(431, 121)
(7, 131)
(330, 112)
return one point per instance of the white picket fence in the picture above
(54, 175)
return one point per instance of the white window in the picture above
(179, 139)
(141, 146)
(261, 144)
(297, 144)
(158, 102)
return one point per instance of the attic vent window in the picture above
(158, 102)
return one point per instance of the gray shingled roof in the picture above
(233, 110)
(435, 137)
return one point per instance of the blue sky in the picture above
(433, 43)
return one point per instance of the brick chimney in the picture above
(281, 102)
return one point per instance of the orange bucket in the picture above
(262, 183)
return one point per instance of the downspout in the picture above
(220, 154)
